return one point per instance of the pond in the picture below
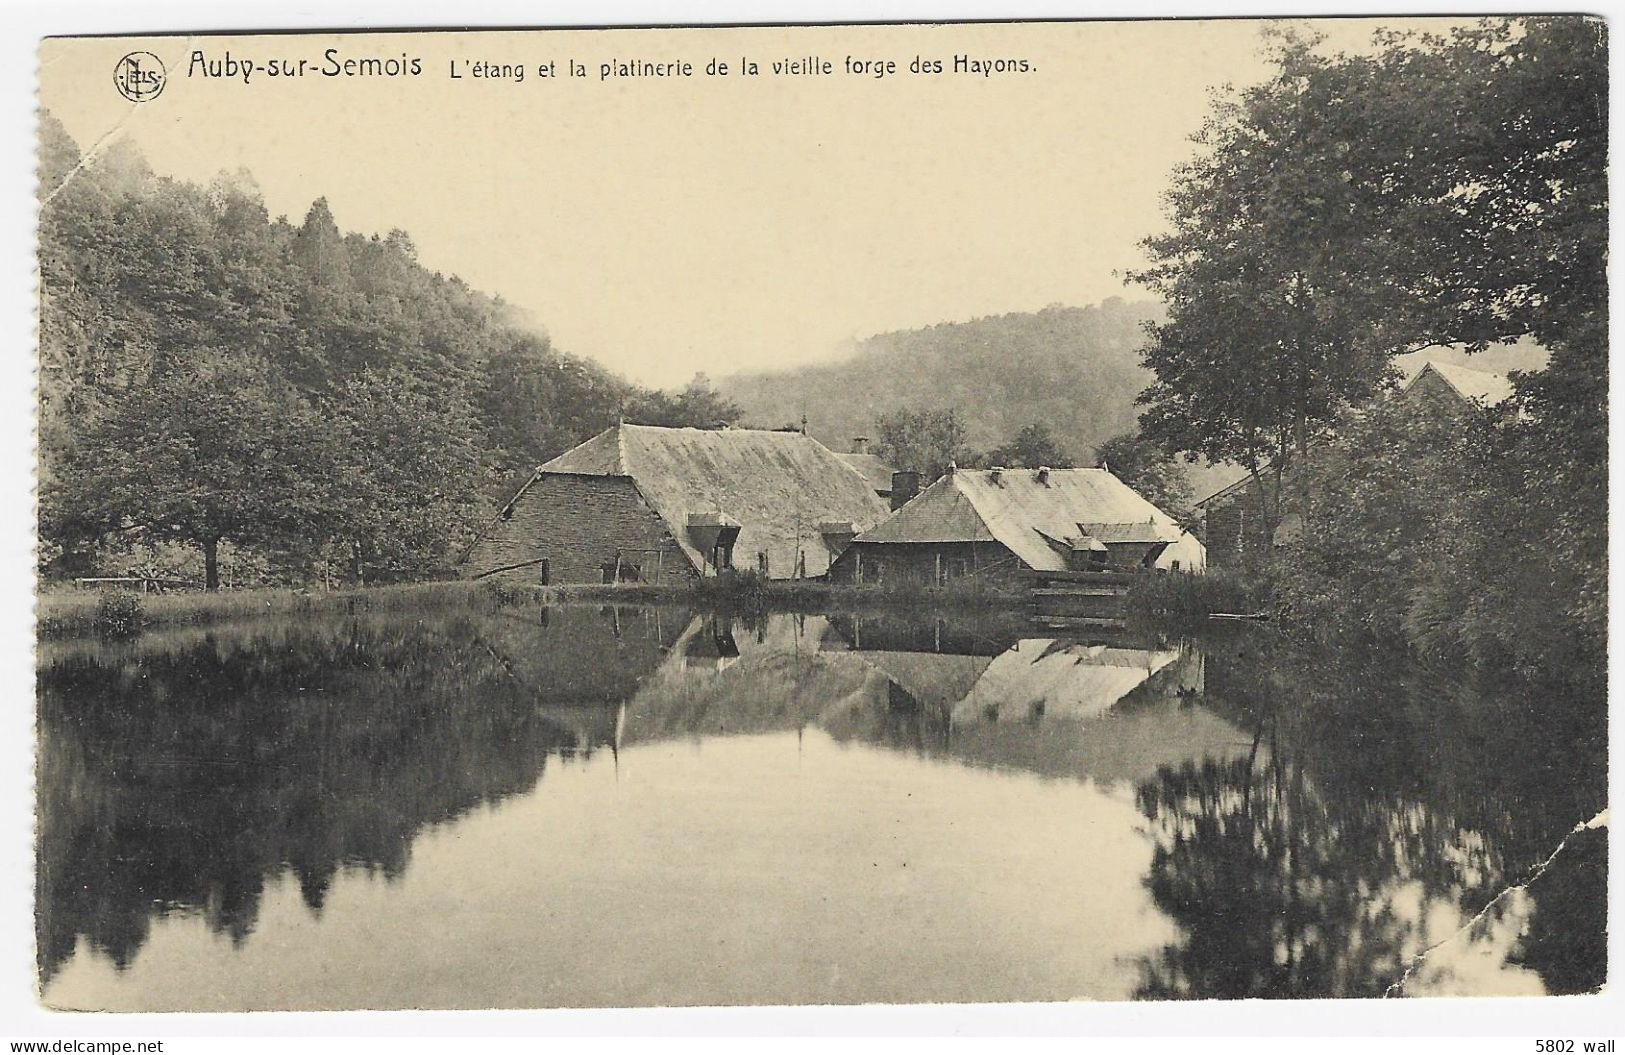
(616, 806)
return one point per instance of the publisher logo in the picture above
(139, 76)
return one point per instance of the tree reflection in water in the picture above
(1314, 821)
(1374, 818)
(182, 780)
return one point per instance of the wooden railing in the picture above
(147, 583)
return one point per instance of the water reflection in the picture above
(836, 808)
(1357, 834)
(180, 779)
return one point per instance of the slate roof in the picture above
(1018, 509)
(934, 678)
(778, 486)
(1108, 713)
(1071, 679)
(871, 468)
(1481, 386)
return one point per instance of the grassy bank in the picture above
(67, 612)
(750, 594)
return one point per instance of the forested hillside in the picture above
(1076, 370)
(221, 390)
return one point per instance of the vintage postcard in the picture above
(808, 515)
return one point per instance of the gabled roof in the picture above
(1238, 484)
(778, 486)
(870, 467)
(1022, 508)
(1481, 386)
(1071, 679)
(940, 513)
(935, 678)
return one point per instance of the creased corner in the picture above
(1598, 821)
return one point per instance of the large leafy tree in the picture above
(406, 472)
(925, 440)
(220, 450)
(1440, 189)
(1034, 446)
(1499, 145)
(1148, 468)
(697, 404)
(1273, 325)
(163, 303)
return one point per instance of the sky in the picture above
(668, 226)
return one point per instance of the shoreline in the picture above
(66, 612)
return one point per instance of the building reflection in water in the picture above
(182, 775)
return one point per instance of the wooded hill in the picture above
(300, 403)
(1077, 370)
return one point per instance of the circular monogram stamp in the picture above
(139, 76)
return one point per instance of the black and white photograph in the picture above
(928, 513)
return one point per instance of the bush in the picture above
(118, 614)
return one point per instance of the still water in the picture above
(591, 806)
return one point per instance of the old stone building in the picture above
(638, 503)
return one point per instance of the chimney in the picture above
(995, 472)
(1043, 475)
(860, 445)
(905, 484)
(837, 535)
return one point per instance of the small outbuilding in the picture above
(639, 503)
(1000, 523)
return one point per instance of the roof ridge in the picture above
(1470, 369)
(701, 428)
(981, 514)
(1444, 370)
(1445, 377)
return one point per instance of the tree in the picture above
(1034, 447)
(319, 251)
(537, 403)
(927, 441)
(1386, 491)
(697, 404)
(1148, 468)
(407, 472)
(221, 450)
(1279, 303)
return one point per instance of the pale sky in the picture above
(668, 226)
